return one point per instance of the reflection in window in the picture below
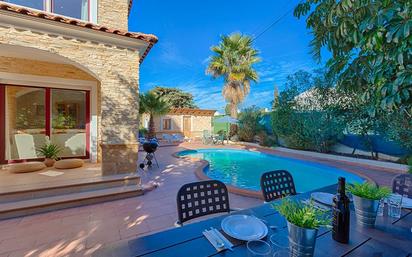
(74, 8)
(36, 4)
(69, 121)
(25, 122)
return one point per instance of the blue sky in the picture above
(187, 29)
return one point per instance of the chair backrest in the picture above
(277, 184)
(402, 184)
(201, 198)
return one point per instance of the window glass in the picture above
(25, 122)
(69, 121)
(74, 8)
(167, 124)
(36, 4)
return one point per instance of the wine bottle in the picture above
(341, 214)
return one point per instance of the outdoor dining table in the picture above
(390, 237)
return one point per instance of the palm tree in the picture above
(233, 61)
(154, 106)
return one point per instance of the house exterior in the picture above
(188, 122)
(69, 70)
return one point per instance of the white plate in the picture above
(406, 203)
(244, 227)
(323, 198)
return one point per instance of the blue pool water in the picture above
(242, 168)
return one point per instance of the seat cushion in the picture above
(68, 164)
(26, 167)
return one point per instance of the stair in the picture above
(75, 193)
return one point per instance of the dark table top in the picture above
(390, 237)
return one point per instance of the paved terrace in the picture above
(81, 231)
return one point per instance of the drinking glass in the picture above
(282, 253)
(381, 207)
(279, 241)
(394, 205)
(258, 248)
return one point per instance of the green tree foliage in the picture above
(154, 106)
(249, 123)
(371, 46)
(175, 97)
(303, 116)
(233, 61)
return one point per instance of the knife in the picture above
(227, 243)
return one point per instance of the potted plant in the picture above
(366, 197)
(50, 152)
(303, 220)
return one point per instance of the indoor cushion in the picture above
(26, 167)
(68, 164)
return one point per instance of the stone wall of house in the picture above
(117, 70)
(113, 13)
(176, 121)
(41, 68)
(201, 123)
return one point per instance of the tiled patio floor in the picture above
(81, 231)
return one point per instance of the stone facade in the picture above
(41, 68)
(116, 70)
(113, 13)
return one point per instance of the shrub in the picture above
(266, 140)
(249, 123)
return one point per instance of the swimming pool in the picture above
(242, 168)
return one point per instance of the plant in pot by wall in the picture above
(303, 220)
(366, 197)
(50, 152)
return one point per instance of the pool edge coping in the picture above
(200, 174)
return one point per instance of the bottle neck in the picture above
(341, 187)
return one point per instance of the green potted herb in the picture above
(366, 197)
(303, 220)
(50, 152)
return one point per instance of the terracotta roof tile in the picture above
(149, 38)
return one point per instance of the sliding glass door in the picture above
(69, 121)
(31, 114)
(25, 121)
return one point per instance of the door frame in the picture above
(189, 130)
(48, 116)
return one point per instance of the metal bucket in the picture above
(301, 241)
(366, 210)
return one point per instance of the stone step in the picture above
(50, 203)
(41, 190)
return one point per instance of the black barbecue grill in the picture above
(150, 147)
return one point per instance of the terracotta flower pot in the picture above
(49, 162)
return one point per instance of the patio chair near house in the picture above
(168, 138)
(207, 137)
(219, 139)
(178, 138)
(202, 198)
(277, 184)
(402, 184)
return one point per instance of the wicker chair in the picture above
(277, 184)
(201, 198)
(402, 184)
